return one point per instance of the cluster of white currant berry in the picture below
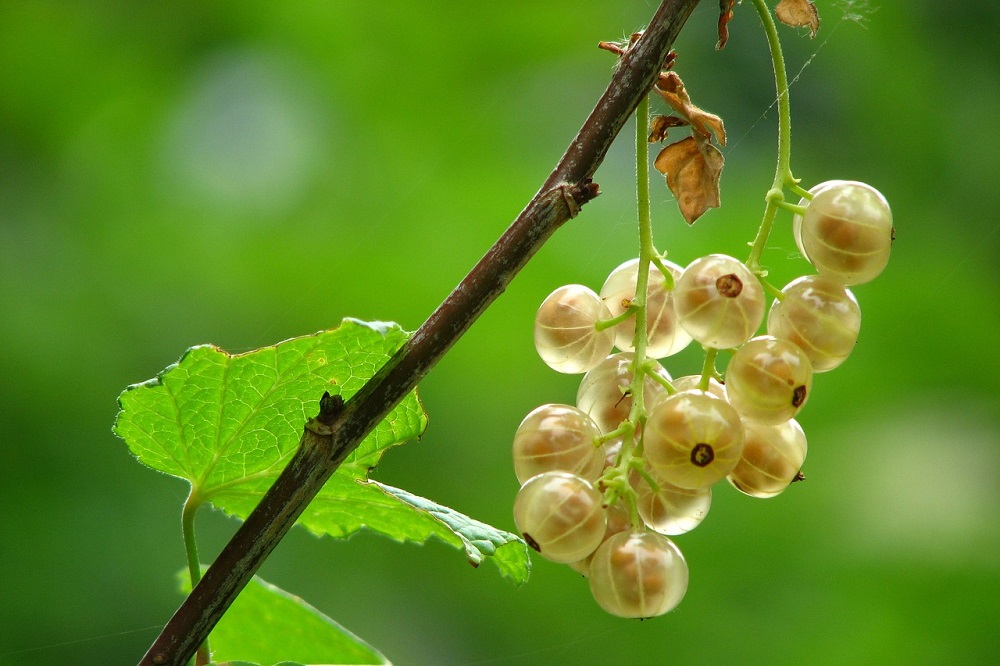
(605, 482)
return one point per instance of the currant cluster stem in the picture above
(783, 174)
(645, 251)
(631, 448)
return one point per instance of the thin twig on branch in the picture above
(335, 433)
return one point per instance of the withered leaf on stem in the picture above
(725, 16)
(693, 167)
(660, 125)
(671, 89)
(798, 14)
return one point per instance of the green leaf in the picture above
(228, 424)
(507, 551)
(266, 625)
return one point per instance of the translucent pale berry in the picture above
(768, 379)
(688, 382)
(565, 336)
(820, 316)
(560, 515)
(664, 336)
(847, 232)
(603, 391)
(618, 521)
(719, 301)
(693, 439)
(772, 458)
(638, 574)
(557, 438)
(670, 510)
(797, 219)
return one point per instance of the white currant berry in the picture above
(557, 438)
(565, 334)
(719, 301)
(820, 316)
(669, 510)
(692, 439)
(804, 202)
(638, 575)
(664, 337)
(772, 458)
(604, 390)
(768, 379)
(560, 515)
(618, 521)
(847, 232)
(688, 382)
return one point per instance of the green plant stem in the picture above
(329, 438)
(191, 506)
(625, 429)
(605, 324)
(668, 277)
(708, 368)
(616, 480)
(799, 190)
(639, 340)
(795, 209)
(783, 174)
(656, 377)
(771, 289)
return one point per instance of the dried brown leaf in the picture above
(798, 14)
(693, 167)
(660, 125)
(725, 16)
(671, 89)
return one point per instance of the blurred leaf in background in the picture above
(241, 173)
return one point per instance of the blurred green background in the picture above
(239, 173)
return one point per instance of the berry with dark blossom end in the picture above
(692, 439)
(768, 380)
(772, 458)
(560, 515)
(718, 301)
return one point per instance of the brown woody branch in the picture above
(338, 429)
